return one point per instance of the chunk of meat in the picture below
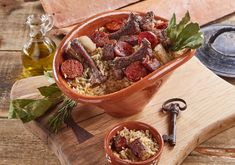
(131, 39)
(114, 25)
(144, 50)
(147, 22)
(137, 148)
(100, 38)
(119, 143)
(77, 48)
(162, 37)
(135, 71)
(150, 36)
(130, 28)
(123, 49)
(151, 63)
(71, 68)
(108, 52)
(118, 74)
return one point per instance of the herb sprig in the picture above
(185, 34)
(63, 113)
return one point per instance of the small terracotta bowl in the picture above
(127, 101)
(114, 160)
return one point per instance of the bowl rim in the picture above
(151, 129)
(143, 83)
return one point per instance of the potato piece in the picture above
(161, 54)
(178, 53)
(87, 43)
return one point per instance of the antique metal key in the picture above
(173, 107)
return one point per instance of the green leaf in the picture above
(48, 91)
(171, 28)
(14, 104)
(171, 24)
(28, 109)
(189, 30)
(185, 34)
(182, 23)
(194, 41)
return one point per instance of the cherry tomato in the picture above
(123, 49)
(150, 36)
(161, 25)
(135, 71)
(114, 25)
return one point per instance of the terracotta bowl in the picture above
(127, 101)
(114, 160)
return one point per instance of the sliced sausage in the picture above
(71, 68)
(99, 38)
(119, 143)
(150, 36)
(135, 71)
(123, 49)
(114, 25)
(161, 24)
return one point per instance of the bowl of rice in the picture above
(133, 143)
(118, 98)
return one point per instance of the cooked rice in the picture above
(150, 144)
(83, 86)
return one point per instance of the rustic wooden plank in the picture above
(10, 68)
(70, 12)
(18, 146)
(202, 11)
(13, 31)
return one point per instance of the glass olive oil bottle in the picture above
(38, 51)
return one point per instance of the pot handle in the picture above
(216, 34)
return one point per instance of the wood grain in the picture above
(200, 11)
(70, 12)
(14, 32)
(14, 137)
(19, 146)
(10, 68)
(202, 120)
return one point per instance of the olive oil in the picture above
(38, 52)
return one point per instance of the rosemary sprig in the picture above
(63, 113)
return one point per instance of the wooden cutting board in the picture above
(211, 109)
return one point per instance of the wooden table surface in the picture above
(18, 146)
